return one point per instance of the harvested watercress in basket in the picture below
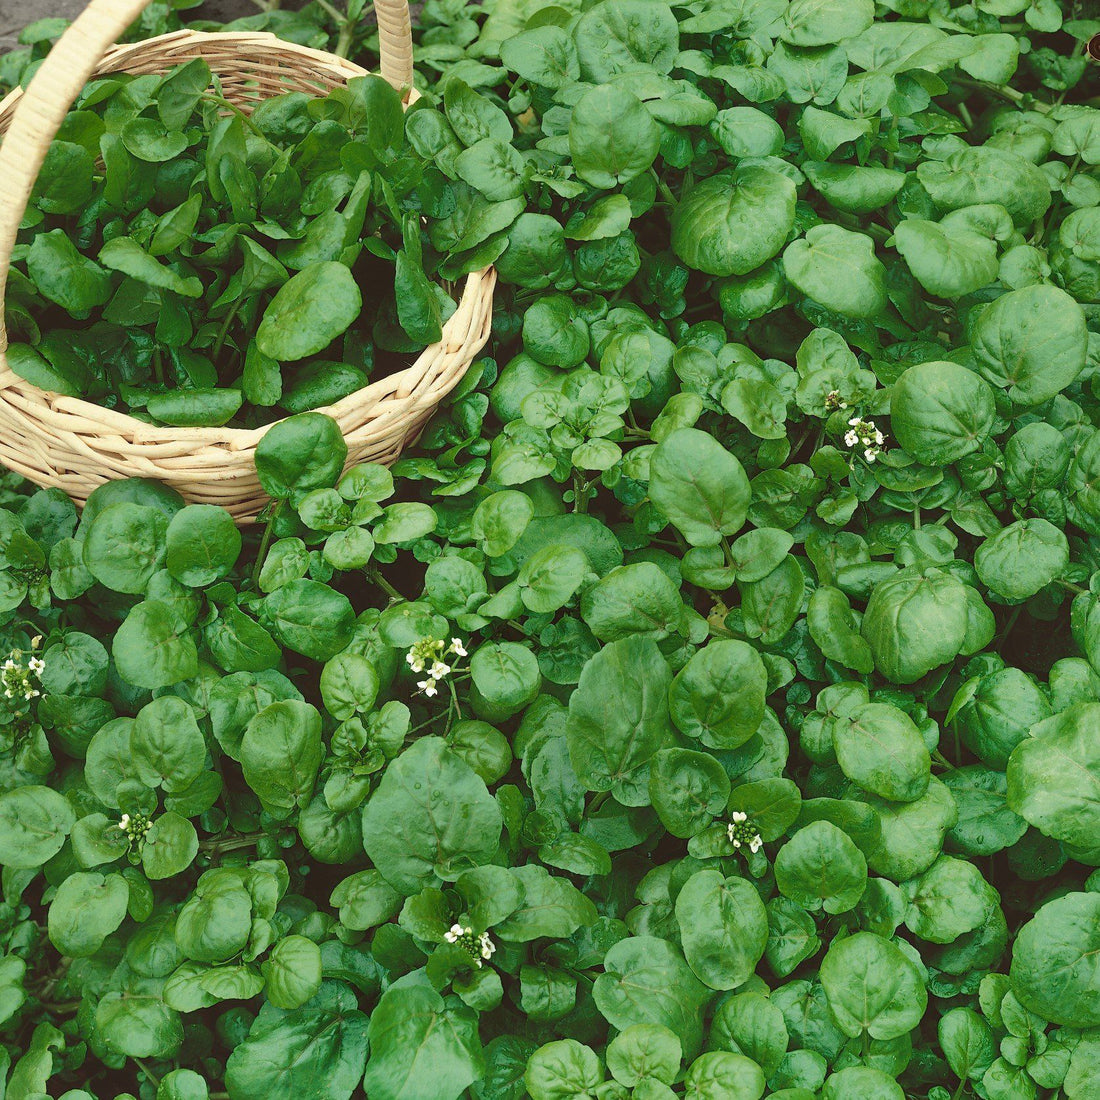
(198, 265)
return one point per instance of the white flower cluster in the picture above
(19, 680)
(430, 655)
(480, 948)
(135, 826)
(833, 401)
(740, 831)
(863, 433)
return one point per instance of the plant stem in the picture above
(265, 542)
(1069, 586)
(223, 332)
(229, 105)
(454, 703)
(232, 844)
(148, 1072)
(158, 366)
(378, 579)
(334, 14)
(666, 191)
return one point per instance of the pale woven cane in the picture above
(75, 445)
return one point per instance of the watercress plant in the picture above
(707, 706)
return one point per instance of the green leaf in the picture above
(152, 650)
(915, 623)
(700, 486)
(723, 928)
(170, 846)
(820, 867)
(138, 1026)
(64, 276)
(431, 817)
(125, 545)
(300, 453)
(872, 986)
(622, 36)
(1031, 342)
(880, 748)
(941, 412)
(718, 696)
(1054, 777)
(86, 909)
(647, 980)
(422, 1047)
(688, 790)
(1022, 559)
(618, 715)
(821, 22)
(731, 223)
(563, 1068)
(280, 755)
(126, 255)
(202, 544)
(167, 746)
(320, 1050)
(839, 269)
(292, 972)
(309, 311)
(1054, 961)
(612, 137)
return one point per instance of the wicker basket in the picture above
(75, 445)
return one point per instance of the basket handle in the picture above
(68, 67)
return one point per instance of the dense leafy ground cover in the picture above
(709, 705)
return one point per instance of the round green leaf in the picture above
(839, 269)
(872, 986)
(941, 412)
(723, 928)
(731, 223)
(309, 311)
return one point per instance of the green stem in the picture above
(1069, 586)
(941, 759)
(265, 542)
(148, 1072)
(223, 331)
(666, 191)
(158, 366)
(598, 801)
(454, 702)
(866, 1045)
(377, 578)
(232, 844)
(916, 518)
(957, 1095)
(335, 15)
(221, 101)
(580, 494)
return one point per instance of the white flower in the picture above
(486, 945)
(439, 670)
(36, 665)
(756, 843)
(738, 816)
(456, 933)
(415, 663)
(851, 439)
(870, 454)
(854, 422)
(457, 648)
(427, 686)
(124, 822)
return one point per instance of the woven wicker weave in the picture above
(61, 441)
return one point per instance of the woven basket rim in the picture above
(238, 438)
